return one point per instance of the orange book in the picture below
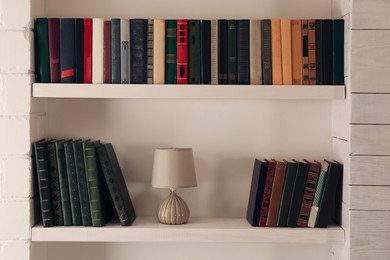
(276, 49)
(311, 31)
(305, 53)
(296, 46)
(286, 51)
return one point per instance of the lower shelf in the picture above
(147, 229)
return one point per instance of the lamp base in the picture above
(173, 210)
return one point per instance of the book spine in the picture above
(255, 52)
(267, 193)
(55, 184)
(97, 50)
(138, 51)
(67, 50)
(222, 52)
(327, 50)
(318, 194)
(170, 51)
(150, 51)
(286, 51)
(232, 51)
(194, 48)
(338, 52)
(182, 52)
(82, 184)
(72, 184)
(158, 51)
(205, 52)
(310, 188)
(319, 54)
(79, 50)
(63, 180)
(43, 183)
(311, 32)
(43, 60)
(276, 52)
(125, 51)
(107, 52)
(288, 186)
(88, 50)
(214, 52)
(305, 53)
(266, 51)
(115, 51)
(276, 194)
(54, 49)
(296, 49)
(243, 54)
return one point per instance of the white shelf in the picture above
(147, 229)
(188, 91)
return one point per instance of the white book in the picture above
(255, 53)
(159, 51)
(214, 52)
(125, 51)
(97, 50)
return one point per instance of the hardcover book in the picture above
(158, 51)
(67, 50)
(116, 51)
(214, 52)
(305, 53)
(222, 52)
(255, 52)
(266, 51)
(232, 51)
(150, 51)
(125, 50)
(267, 193)
(311, 32)
(243, 66)
(296, 49)
(107, 52)
(42, 50)
(327, 51)
(205, 50)
(138, 51)
(170, 51)
(54, 49)
(338, 52)
(276, 49)
(79, 50)
(286, 44)
(182, 52)
(319, 53)
(194, 51)
(87, 50)
(97, 50)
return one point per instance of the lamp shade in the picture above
(173, 168)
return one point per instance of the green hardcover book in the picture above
(63, 180)
(170, 51)
(72, 182)
(54, 184)
(42, 51)
(194, 42)
(288, 186)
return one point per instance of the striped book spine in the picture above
(170, 51)
(305, 53)
(311, 32)
(214, 52)
(318, 194)
(267, 193)
(139, 51)
(150, 51)
(182, 51)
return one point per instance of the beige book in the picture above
(158, 51)
(255, 53)
(276, 49)
(214, 52)
(286, 51)
(97, 50)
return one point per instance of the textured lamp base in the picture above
(173, 210)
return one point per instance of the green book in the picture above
(72, 182)
(288, 186)
(54, 184)
(42, 51)
(170, 51)
(194, 43)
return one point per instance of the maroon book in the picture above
(267, 193)
(107, 52)
(87, 50)
(54, 49)
(182, 52)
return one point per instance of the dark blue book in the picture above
(79, 46)
(222, 52)
(67, 50)
(327, 50)
(206, 52)
(194, 49)
(319, 54)
(266, 51)
(243, 67)
(338, 52)
(116, 51)
(138, 51)
(232, 52)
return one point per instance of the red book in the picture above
(182, 52)
(54, 49)
(107, 52)
(267, 192)
(87, 50)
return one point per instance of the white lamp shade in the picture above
(173, 168)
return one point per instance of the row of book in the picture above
(156, 51)
(80, 183)
(294, 193)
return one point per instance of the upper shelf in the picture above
(147, 229)
(188, 91)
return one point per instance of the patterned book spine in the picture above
(42, 47)
(138, 51)
(67, 50)
(232, 51)
(276, 193)
(288, 186)
(255, 52)
(158, 51)
(43, 183)
(214, 52)
(79, 50)
(338, 52)
(72, 182)
(276, 50)
(97, 50)
(170, 51)
(194, 42)
(55, 184)
(182, 52)
(296, 49)
(310, 188)
(125, 51)
(286, 51)
(243, 66)
(115, 51)
(319, 59)
(222, 52)
(311, 32)
(107, 52)
(266, 51)
(205, 52)
(327, 51)
(87, 50)
(305, 53)
(267, 193)
(54, 49)
(150, 51)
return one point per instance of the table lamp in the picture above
(173, 168)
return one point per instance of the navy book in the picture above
(206, 52)
(338, 52)
(222, 51)
(79, 46)
(243, 77)
(319, 54)
(327, 50)
(266, 51)
(67, 50)
(232, 51)
(116, 51)
(138, 51)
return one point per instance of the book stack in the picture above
(156, 51)
(80, 183)
(293, 193)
